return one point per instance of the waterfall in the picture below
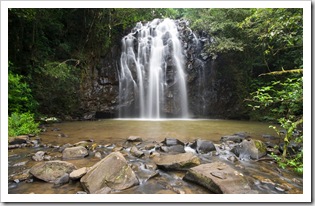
(152, 78)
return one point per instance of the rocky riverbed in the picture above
(237, 163)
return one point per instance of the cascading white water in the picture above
(152, 81)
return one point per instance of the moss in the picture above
(260, 146)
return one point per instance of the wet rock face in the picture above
(113, 171)
(99, 88)
(52, 170)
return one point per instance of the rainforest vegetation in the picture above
(51, 51)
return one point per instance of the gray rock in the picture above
(52, 170)
(219, 178)
(75, 153)
(172, 141)
(173, 149)
(113, 171)
(177, 162)
(233, 138)
(63, 147)
(47, 157)
(22, 139)
(81, 192)
(89, 116)
(135, 152)
(98, 155)
(20, 164)
(104, 190)
(250, 149)
(39, 156)
(203, 146)
(62, 180)
(77, 174)
(134, 139)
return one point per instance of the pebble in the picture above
(279, 189)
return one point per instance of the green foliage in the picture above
(222, 26)
(20, 97)
(57, 86)
(278, 35)
(296, 162)
(22, 123)
(283, 102)
(279, 99)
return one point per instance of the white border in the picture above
(305, 197)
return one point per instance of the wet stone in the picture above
(112, 171)
(104, 190)
(39, 156)
(135, 152)
(98, 155)
(64, 147)
(226, 180)
(279, 188)
(81, 192)
(220, 175)
(233, 138)
(149, 146)
(62, 180)
(20, 164)
(75, 152)
(117, 149)
(203, 146)
(172, 141)
(173, 149)
(77, 174)
(182, 161)
(50, 171)
(134, 139)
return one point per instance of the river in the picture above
(111, 133)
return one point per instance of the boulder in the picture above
(203, 146)
(74, 152)
(250, 149)
(112, 171)
(177, 162)
(219, 178)
(52, 170)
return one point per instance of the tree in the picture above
(278, 36)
